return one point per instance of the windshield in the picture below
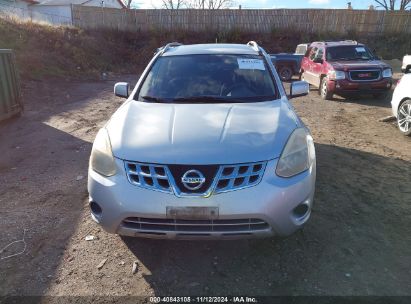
(349, 52)
(208, 78)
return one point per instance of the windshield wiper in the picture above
(155, 99)
(206, 99)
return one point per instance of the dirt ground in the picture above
(358, 241)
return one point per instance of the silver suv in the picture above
(207, 145)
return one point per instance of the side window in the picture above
(320, 53)
(313, 52)
(301, 50)
(308, 52)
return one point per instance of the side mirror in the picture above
(376, 57)
(299, 88)
(121, 89)
(318, 60)
(408, 69)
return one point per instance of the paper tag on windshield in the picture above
(250, 64)
(360, 49)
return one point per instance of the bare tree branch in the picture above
(173, 4)
(405, 4)
(210, 4)
(127, 3)
(383, 4)
(391, 5)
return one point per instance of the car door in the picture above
(308, 65)
(317, 66)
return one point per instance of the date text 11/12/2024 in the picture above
(203, 299)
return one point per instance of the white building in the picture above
(51, 11)
(16, 8)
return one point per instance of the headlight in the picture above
(336, 75)
(298, 154)
(101, 159)
(387, 73)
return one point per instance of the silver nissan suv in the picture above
(206, 146)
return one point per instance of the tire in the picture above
(404, 117)
(323, 90)
(285, 72)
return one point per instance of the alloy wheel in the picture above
(404, 116)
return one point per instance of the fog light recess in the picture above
(301, 210)
(95, 208)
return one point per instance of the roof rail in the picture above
(253, 45)
(351, 41)
(326, 42)
(320, 42)
(168, 46)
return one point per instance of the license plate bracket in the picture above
(192, 213)
(365, 87)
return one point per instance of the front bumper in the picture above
(347, 87)
(395, 102)
(274, 200)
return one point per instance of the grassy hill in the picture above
(45, 51)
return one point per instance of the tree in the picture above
(390, 5)
(197, 4)
(210, 4)
(127, 3)
(173, 4)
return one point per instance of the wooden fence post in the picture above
(71, 13)
(263, 21)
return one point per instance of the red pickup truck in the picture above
(345, 68)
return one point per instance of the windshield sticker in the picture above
(360, 49)
(250, 64)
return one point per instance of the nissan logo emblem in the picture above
(193, 179)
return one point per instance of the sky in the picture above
(357, 4)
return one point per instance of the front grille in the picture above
(234, 177)
(365, 75)
(209, 172)
(148, 176)
(157, 225)
(218, 178)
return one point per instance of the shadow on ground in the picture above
(43, 178)
(367, 100)
(360, 217)
(38, 192)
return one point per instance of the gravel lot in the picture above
(358, 241)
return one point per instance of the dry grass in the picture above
(58, 51)
(66, 52)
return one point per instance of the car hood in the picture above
(359, 65)
(201, 133)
